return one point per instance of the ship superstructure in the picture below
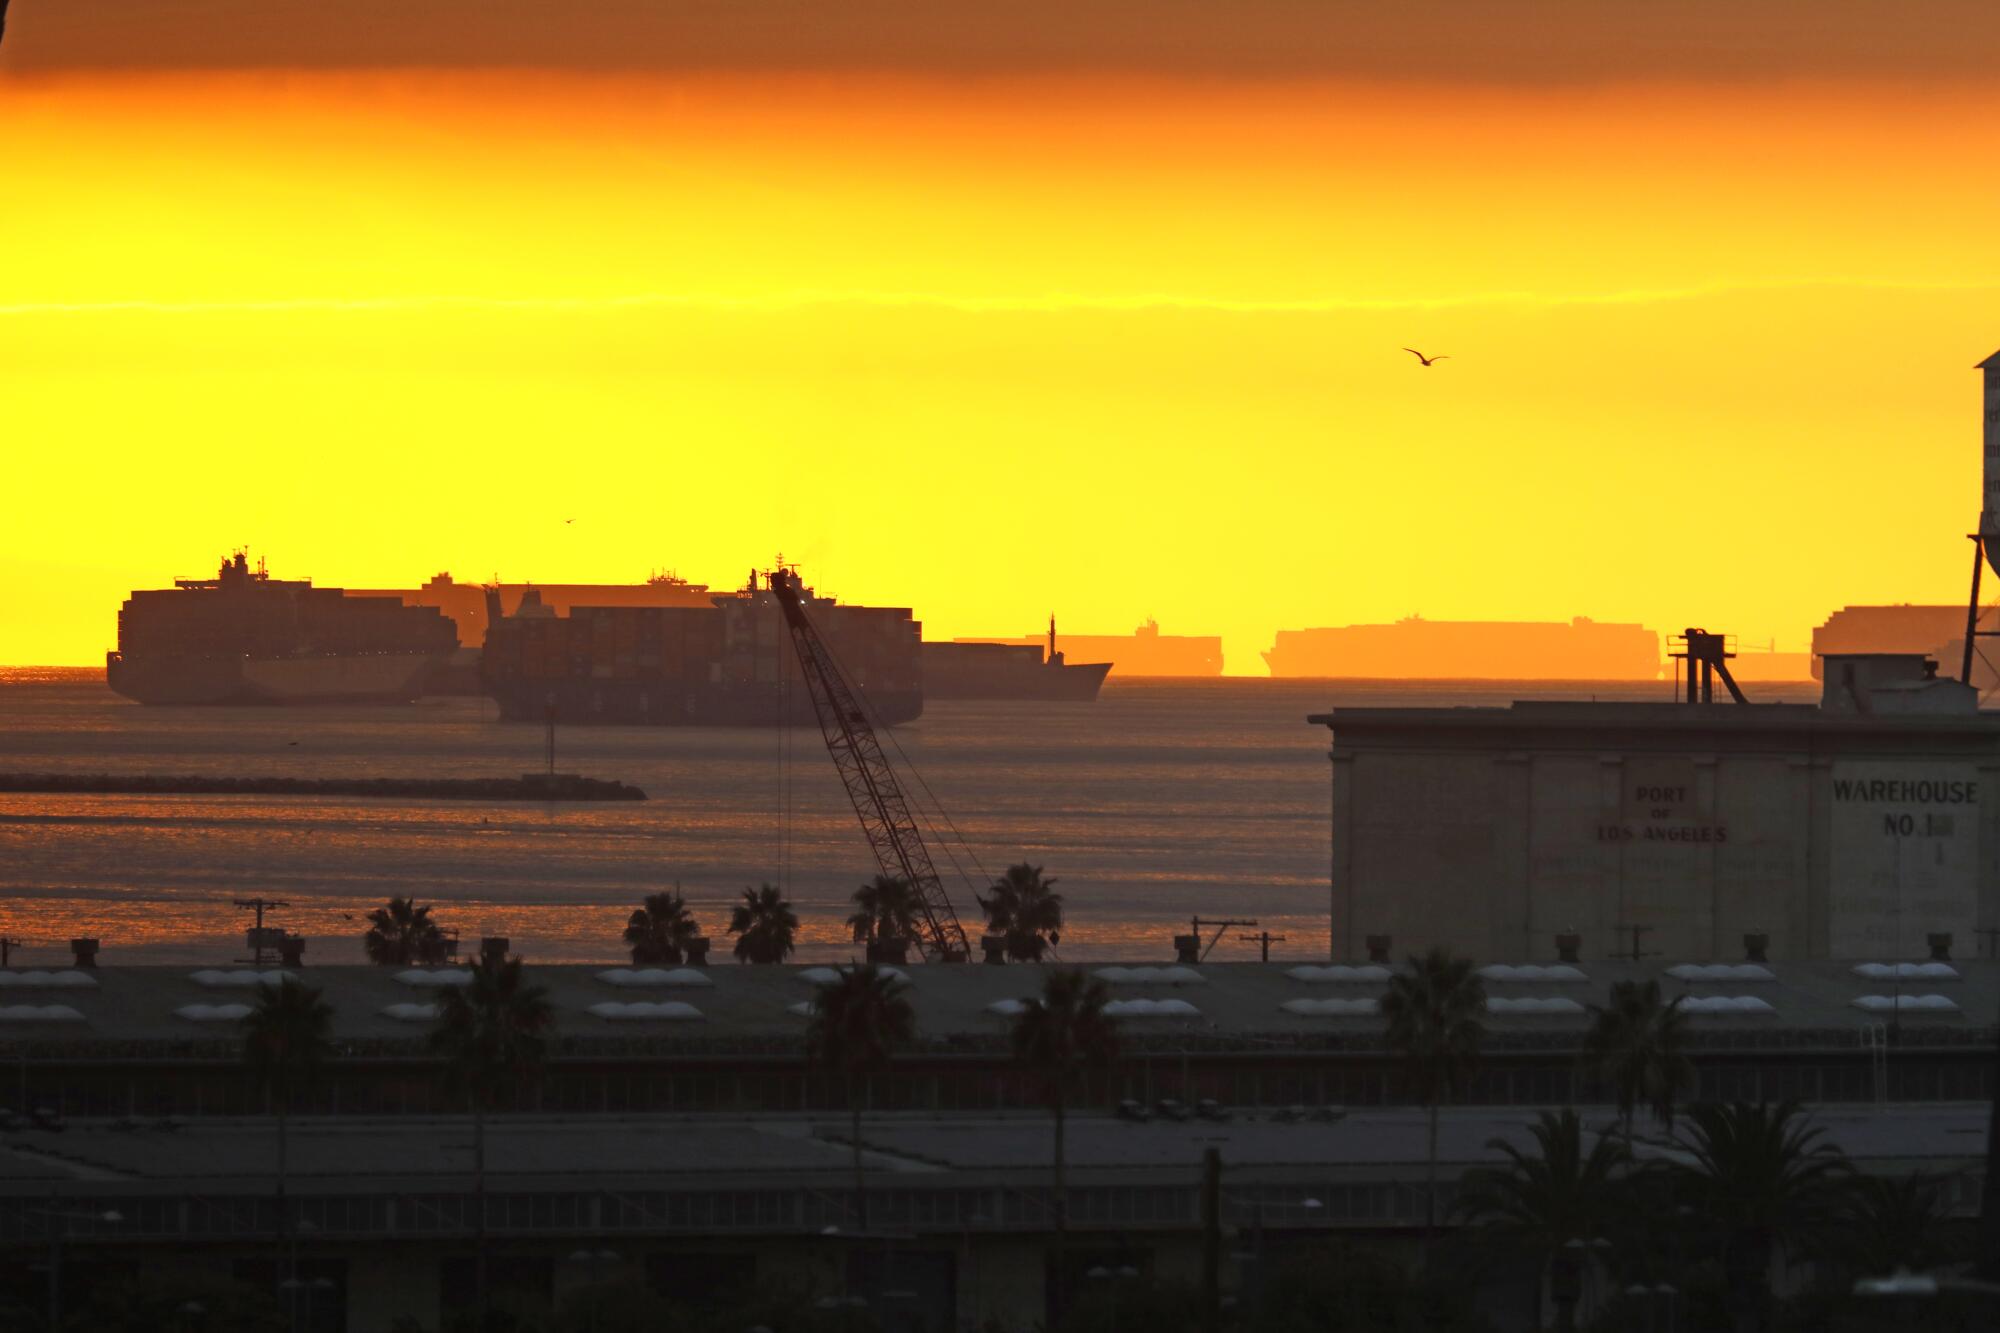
(245, 637)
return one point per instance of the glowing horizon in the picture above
(1115, 347)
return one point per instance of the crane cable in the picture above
(910, 767)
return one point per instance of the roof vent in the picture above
(1940, 942)
(1757, 947)
(1187, 948)
(493, 948)
(1379, 946)
(1568, 944)
(85, 950)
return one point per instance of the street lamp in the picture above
(59, 1221)
(591, 1262)
(299, 1289)
(1114, 1276)
(1309, 1206)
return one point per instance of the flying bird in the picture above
(568, 521)
(1425, 359)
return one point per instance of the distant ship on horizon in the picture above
(245, 637)
(1143, 652)
(959, 670)
(1414, 648)
(1937, 632)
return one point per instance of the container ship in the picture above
(725, 662)
(245, 637)
(466, 605)
(1935, 631)
(1417, 649)
(1009, 671)
(1143, 652)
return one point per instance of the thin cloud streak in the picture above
(1039, 304)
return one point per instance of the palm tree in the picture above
(402, 934)
(1765, 1183)
(1554, 1200)
(764, 925)
(1062, 1035)
(1884, 1223)
(858, 1021)
(287, 1037)
(660, 931)
(1639, 1046)
(885, 908)
(491, 1033)
(1026, 911)
(1432, 1012)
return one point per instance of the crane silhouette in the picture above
(1425, 359)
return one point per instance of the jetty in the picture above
(527, 787)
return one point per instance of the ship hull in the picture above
(196, 680)
(671, 704)
(1003, 671)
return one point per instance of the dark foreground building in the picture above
(1858, 828)
(679, 1130)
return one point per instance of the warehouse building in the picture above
(1867, 826)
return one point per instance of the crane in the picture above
(871, 784)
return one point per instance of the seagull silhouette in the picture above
(569, 520)
(1425, 359)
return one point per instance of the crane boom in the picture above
(871, 784)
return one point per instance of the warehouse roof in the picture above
(186, 1011)
(1601, 725)
(570, 1152)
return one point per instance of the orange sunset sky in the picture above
(1091, 308)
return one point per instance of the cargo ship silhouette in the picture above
(1143, 652)
(724, 660)
(1418, 649)
(961, 670)
(245, 637)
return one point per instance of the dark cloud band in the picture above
(1496, 41)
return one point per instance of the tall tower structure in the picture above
(1987, 539)
(1989, 509)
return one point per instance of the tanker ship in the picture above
(729, 662)
(1009, 671)
(245, 637)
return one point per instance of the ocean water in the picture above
(1165, 799)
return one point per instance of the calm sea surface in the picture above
(1164, 799)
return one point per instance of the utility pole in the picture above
(257, 944)
(7, 946)
(1263, 939)
(1211, 1239)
